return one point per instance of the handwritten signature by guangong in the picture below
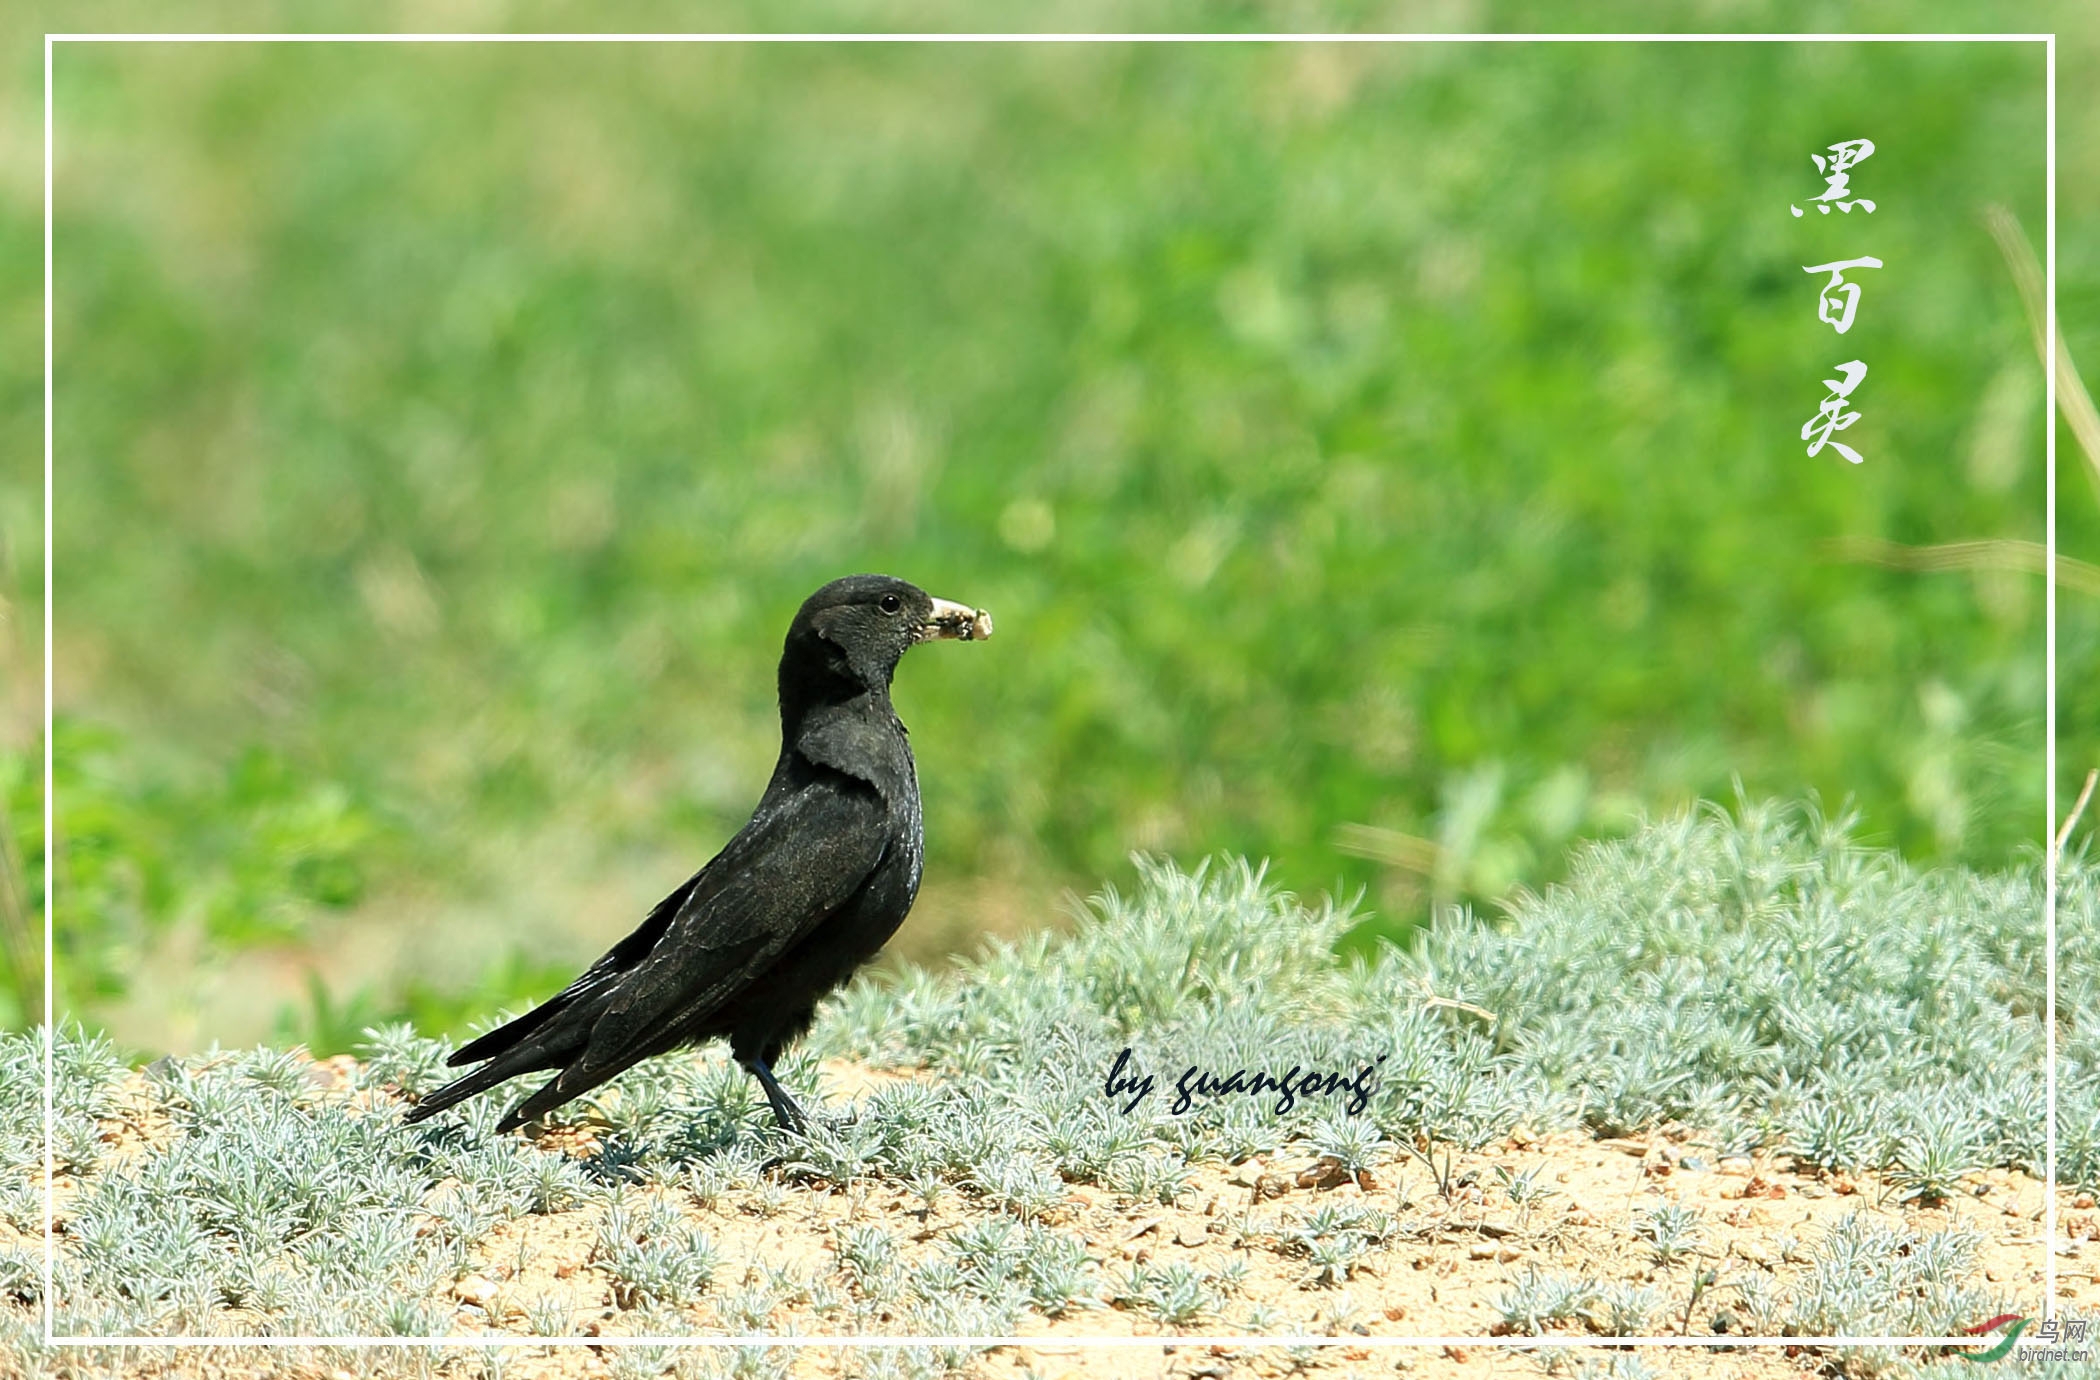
(1198, 1082)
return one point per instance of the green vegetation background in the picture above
(1380, 459)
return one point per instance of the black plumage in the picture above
(805, 893)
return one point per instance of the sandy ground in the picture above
(1441, 1282)
(1439, 1276)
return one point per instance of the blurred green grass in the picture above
(1368, 450)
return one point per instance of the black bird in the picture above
(805, 893)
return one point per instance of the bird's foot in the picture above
(786, 1113)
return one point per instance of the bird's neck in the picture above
(814, 696)
(868, 703)
(816, 677)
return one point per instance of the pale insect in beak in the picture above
(959, 621)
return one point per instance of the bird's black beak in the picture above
(959, 621)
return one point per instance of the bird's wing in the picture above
(793, 866)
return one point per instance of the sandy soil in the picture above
(1441, 1282)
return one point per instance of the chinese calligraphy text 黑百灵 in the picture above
(1838, 300)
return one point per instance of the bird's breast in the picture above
(914, 840)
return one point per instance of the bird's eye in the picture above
(891, 603)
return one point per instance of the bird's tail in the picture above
(508, 1036)
(569, 1083)
(460, 1089)
(528, 1056)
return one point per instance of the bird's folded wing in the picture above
(789, 870)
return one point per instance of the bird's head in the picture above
(857, 629)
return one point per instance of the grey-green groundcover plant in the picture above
(1759, 975)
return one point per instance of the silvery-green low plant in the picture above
(1539, 1298)
(1019, 1185)
(1630, 1310)
(1672, 1231)
(1870, 1279)
(1350, 1216)
(1057, 1271)
(1175, 1293)
(1759, 1303)
(1936, 1149)
(1524, 1191)
(547, 1315)
(1332, 1256)
(1355, 1144)
(654, 1255)
(869, 1255)
(1614, 1368)
(1148, 1178)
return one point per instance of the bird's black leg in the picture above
(785, 1111)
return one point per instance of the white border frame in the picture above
(1065, 1343)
